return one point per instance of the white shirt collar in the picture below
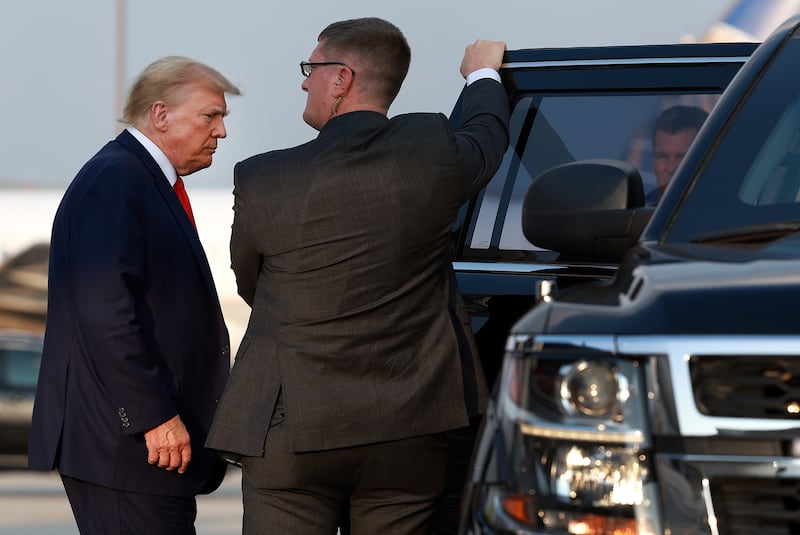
(157, 154)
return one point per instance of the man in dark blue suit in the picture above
(136, 352)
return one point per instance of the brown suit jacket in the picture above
(341, 247)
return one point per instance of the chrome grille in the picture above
(751, 386)
(748, 506)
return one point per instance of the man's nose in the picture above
(674, 162)
(220, 131)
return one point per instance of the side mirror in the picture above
(589, 209)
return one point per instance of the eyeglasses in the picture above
(305, 66)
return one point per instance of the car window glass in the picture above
(20, 368)
(758, 153)
(548, 130)
(774, 176)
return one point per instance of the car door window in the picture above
(547, 130)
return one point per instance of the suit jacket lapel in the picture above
(162, 185)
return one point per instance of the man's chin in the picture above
(198, 167)
(310, 122)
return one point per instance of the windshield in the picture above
(749, 191)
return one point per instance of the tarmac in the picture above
(34, 503)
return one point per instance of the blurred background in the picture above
(66, 65)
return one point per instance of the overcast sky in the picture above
(58, 61)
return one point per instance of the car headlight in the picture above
(576, 445)
(592, 388)
(603, 476)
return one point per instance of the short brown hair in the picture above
(163, 79)
(679, 118)
(381, 48)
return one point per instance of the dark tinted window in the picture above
(752, 179)
(548, 130)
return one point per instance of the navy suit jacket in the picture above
(134, 333)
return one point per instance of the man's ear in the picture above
(159, 113)
(341, 86)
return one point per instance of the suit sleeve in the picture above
(482, 135)
(245, 257)
(109, 280)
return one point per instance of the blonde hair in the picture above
(163, 80)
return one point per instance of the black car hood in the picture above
(672, 296)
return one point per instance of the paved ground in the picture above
(33, 503)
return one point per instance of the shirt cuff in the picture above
(480, 74)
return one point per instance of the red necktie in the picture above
(180, 191)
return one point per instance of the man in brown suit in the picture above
(357, 356)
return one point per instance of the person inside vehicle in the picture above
(673, 133)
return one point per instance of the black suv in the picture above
(568, 105)
(665, 399)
